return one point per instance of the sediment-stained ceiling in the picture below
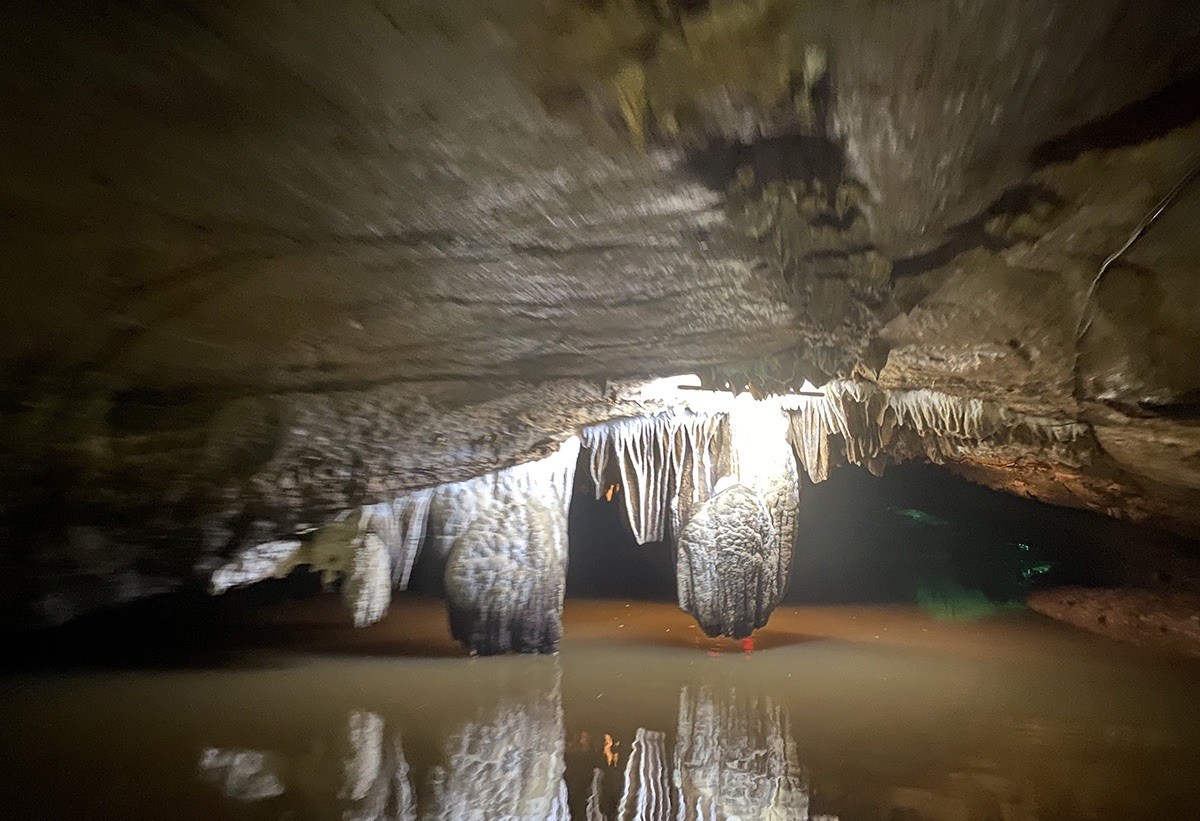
(270, 262)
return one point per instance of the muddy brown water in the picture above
(845, 712)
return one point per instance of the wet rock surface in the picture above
(274, 263)
(1160, 618)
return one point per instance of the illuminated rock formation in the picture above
(858, 423)
(726, 564)
(733, 548)
(499, 540)
(666, 464)
(503, 541)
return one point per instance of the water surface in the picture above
(847, 712)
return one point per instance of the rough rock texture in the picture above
(1151, 618)
(725, 563)
(733, 548)
(666, 464)
(497, 543)
(271, 262)
(503, 540)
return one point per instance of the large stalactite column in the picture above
(734, 555)
(726, 482)
(496, 544)
(503, 538)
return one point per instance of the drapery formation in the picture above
(498, 543)
(855, 422)
(727, 484)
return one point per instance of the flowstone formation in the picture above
(728, 485)
(498, 542)
(503, 541)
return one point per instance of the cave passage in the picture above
(916, 535)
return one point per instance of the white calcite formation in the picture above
(503, 539)
(855, 422)
(500, 541)
(728, 486)
(665, 464)
(725, 563)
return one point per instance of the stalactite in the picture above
(373, 547)
(647, 795)
(498, 545)
(731, 571)
(766, 465)
(503, 540)
(665, 463)
(858, 423)
(724, 571)
(734, 555)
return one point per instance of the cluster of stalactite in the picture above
(497, 544)
(728, 486)
(722, 486)
(855, 422)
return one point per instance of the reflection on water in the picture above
(733, 758)
(846, 714)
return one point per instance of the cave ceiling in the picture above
(270, 260)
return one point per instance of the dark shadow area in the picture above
(188, 629)
(922, 534)
(606, 562)
(1172, 107)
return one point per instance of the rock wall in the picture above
(273, 262)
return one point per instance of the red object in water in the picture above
(748, 644)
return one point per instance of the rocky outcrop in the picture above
(276, 263)
(1156, 617)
